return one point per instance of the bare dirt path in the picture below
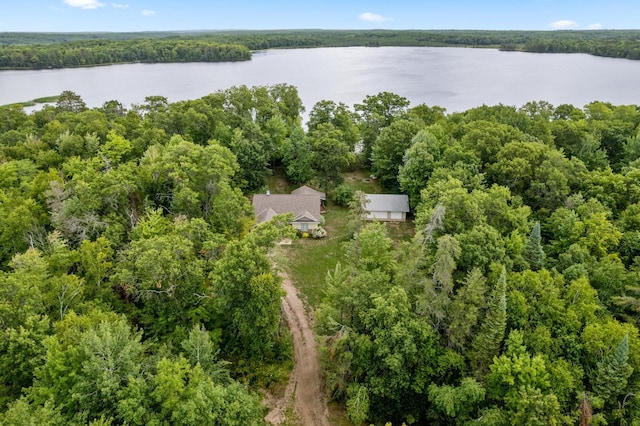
(306, 379)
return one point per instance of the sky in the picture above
(183, 15)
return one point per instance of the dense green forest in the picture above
(56, 50)
(105, 52)
(135, 288)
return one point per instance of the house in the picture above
(391, 207)
(305, 205)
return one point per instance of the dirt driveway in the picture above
(306, 378)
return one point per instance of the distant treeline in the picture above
(627, 46)
(43, 50)
(102, 52)
(610, 43)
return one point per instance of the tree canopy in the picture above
(136, 287)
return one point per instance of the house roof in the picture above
(387, 203)
(305, 216)
(265, 215)
(305, 208)
(306, 190)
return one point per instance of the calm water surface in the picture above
(454, 78)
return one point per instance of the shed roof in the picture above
(302, 206)
(387, 203)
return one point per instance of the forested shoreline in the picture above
(103, 52)
(59, 50)
(135, 288)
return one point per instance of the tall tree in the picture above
(339, 115)
(185, 178)
(297, 157)
(533, 252)
(164, 277)
(389, 149)
(487, 342)
(89, 361)
(394, 357)
(486, 138)
(330, 155)
(69, 101)
(434, 301)
(21, 353)
(253, 160)
(521, 383)
(246, 294)
(465, 309)
(358, 211)
(185, 395)
(199, 349)
(371, 250)
(458, 403)
(418, 163)
(377, 112)
(289, 103)
(611, 374)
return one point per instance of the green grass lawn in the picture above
(400, 231)
(360, 180)
(309, 259)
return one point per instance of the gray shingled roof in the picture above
(265, 215)
(265, 206)
(306, 190)
(387, 203)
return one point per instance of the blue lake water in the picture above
(454, 78)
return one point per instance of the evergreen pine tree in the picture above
(358, 211)
(611, 374)
(533, 252)
(435, 300)
(464, 310)
(486, 345)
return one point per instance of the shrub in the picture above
(343, 194)
(318, 232)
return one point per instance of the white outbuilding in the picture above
(388, 207)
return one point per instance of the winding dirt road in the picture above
(306, 378)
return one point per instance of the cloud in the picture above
(597, 26)
(564, 24)
(147, 12)
(119, 6)
(84, 4)
(372, 17)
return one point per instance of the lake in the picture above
(454, 78)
